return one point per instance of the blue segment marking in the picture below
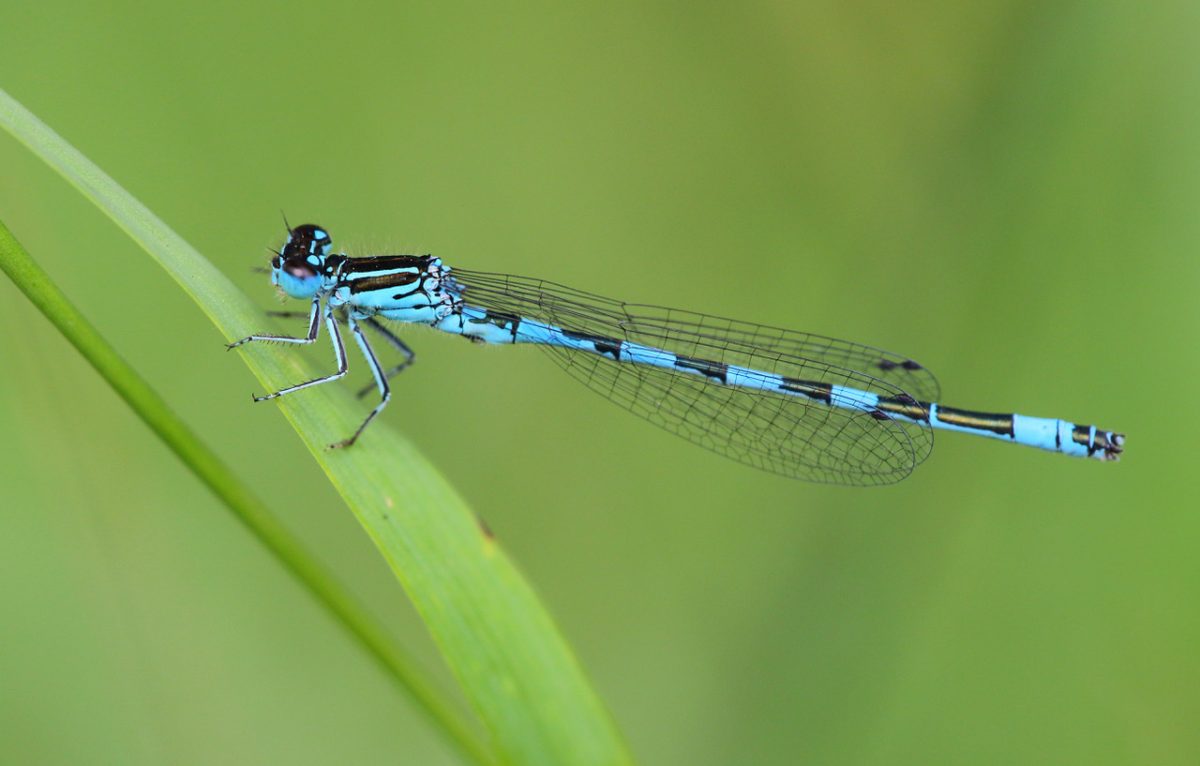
(852, 398)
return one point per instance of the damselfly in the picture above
(793, 403)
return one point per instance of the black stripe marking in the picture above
(385, 263)
(603, 345)
(983, 421)
(715, 370)
(383, 281)
(1083, 435)
(822, 392)
(334, 262)
(904, 406)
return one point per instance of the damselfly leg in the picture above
(410, 356)
(381, 383)
(339, 350)
(314, 327)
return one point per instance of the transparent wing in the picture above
(776, 432)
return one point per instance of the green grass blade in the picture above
(517, 671)
(224, 483)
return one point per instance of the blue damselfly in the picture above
(793, 403)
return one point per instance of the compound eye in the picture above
(276, 262)
(308, 239)
(300, 269)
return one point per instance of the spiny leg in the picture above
(339, 351)
(376, 371)
(399, 345)
(314, 326)
(299, 314)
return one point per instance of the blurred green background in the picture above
(1004, 190)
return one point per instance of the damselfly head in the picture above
(307, 239)
(298, 267)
